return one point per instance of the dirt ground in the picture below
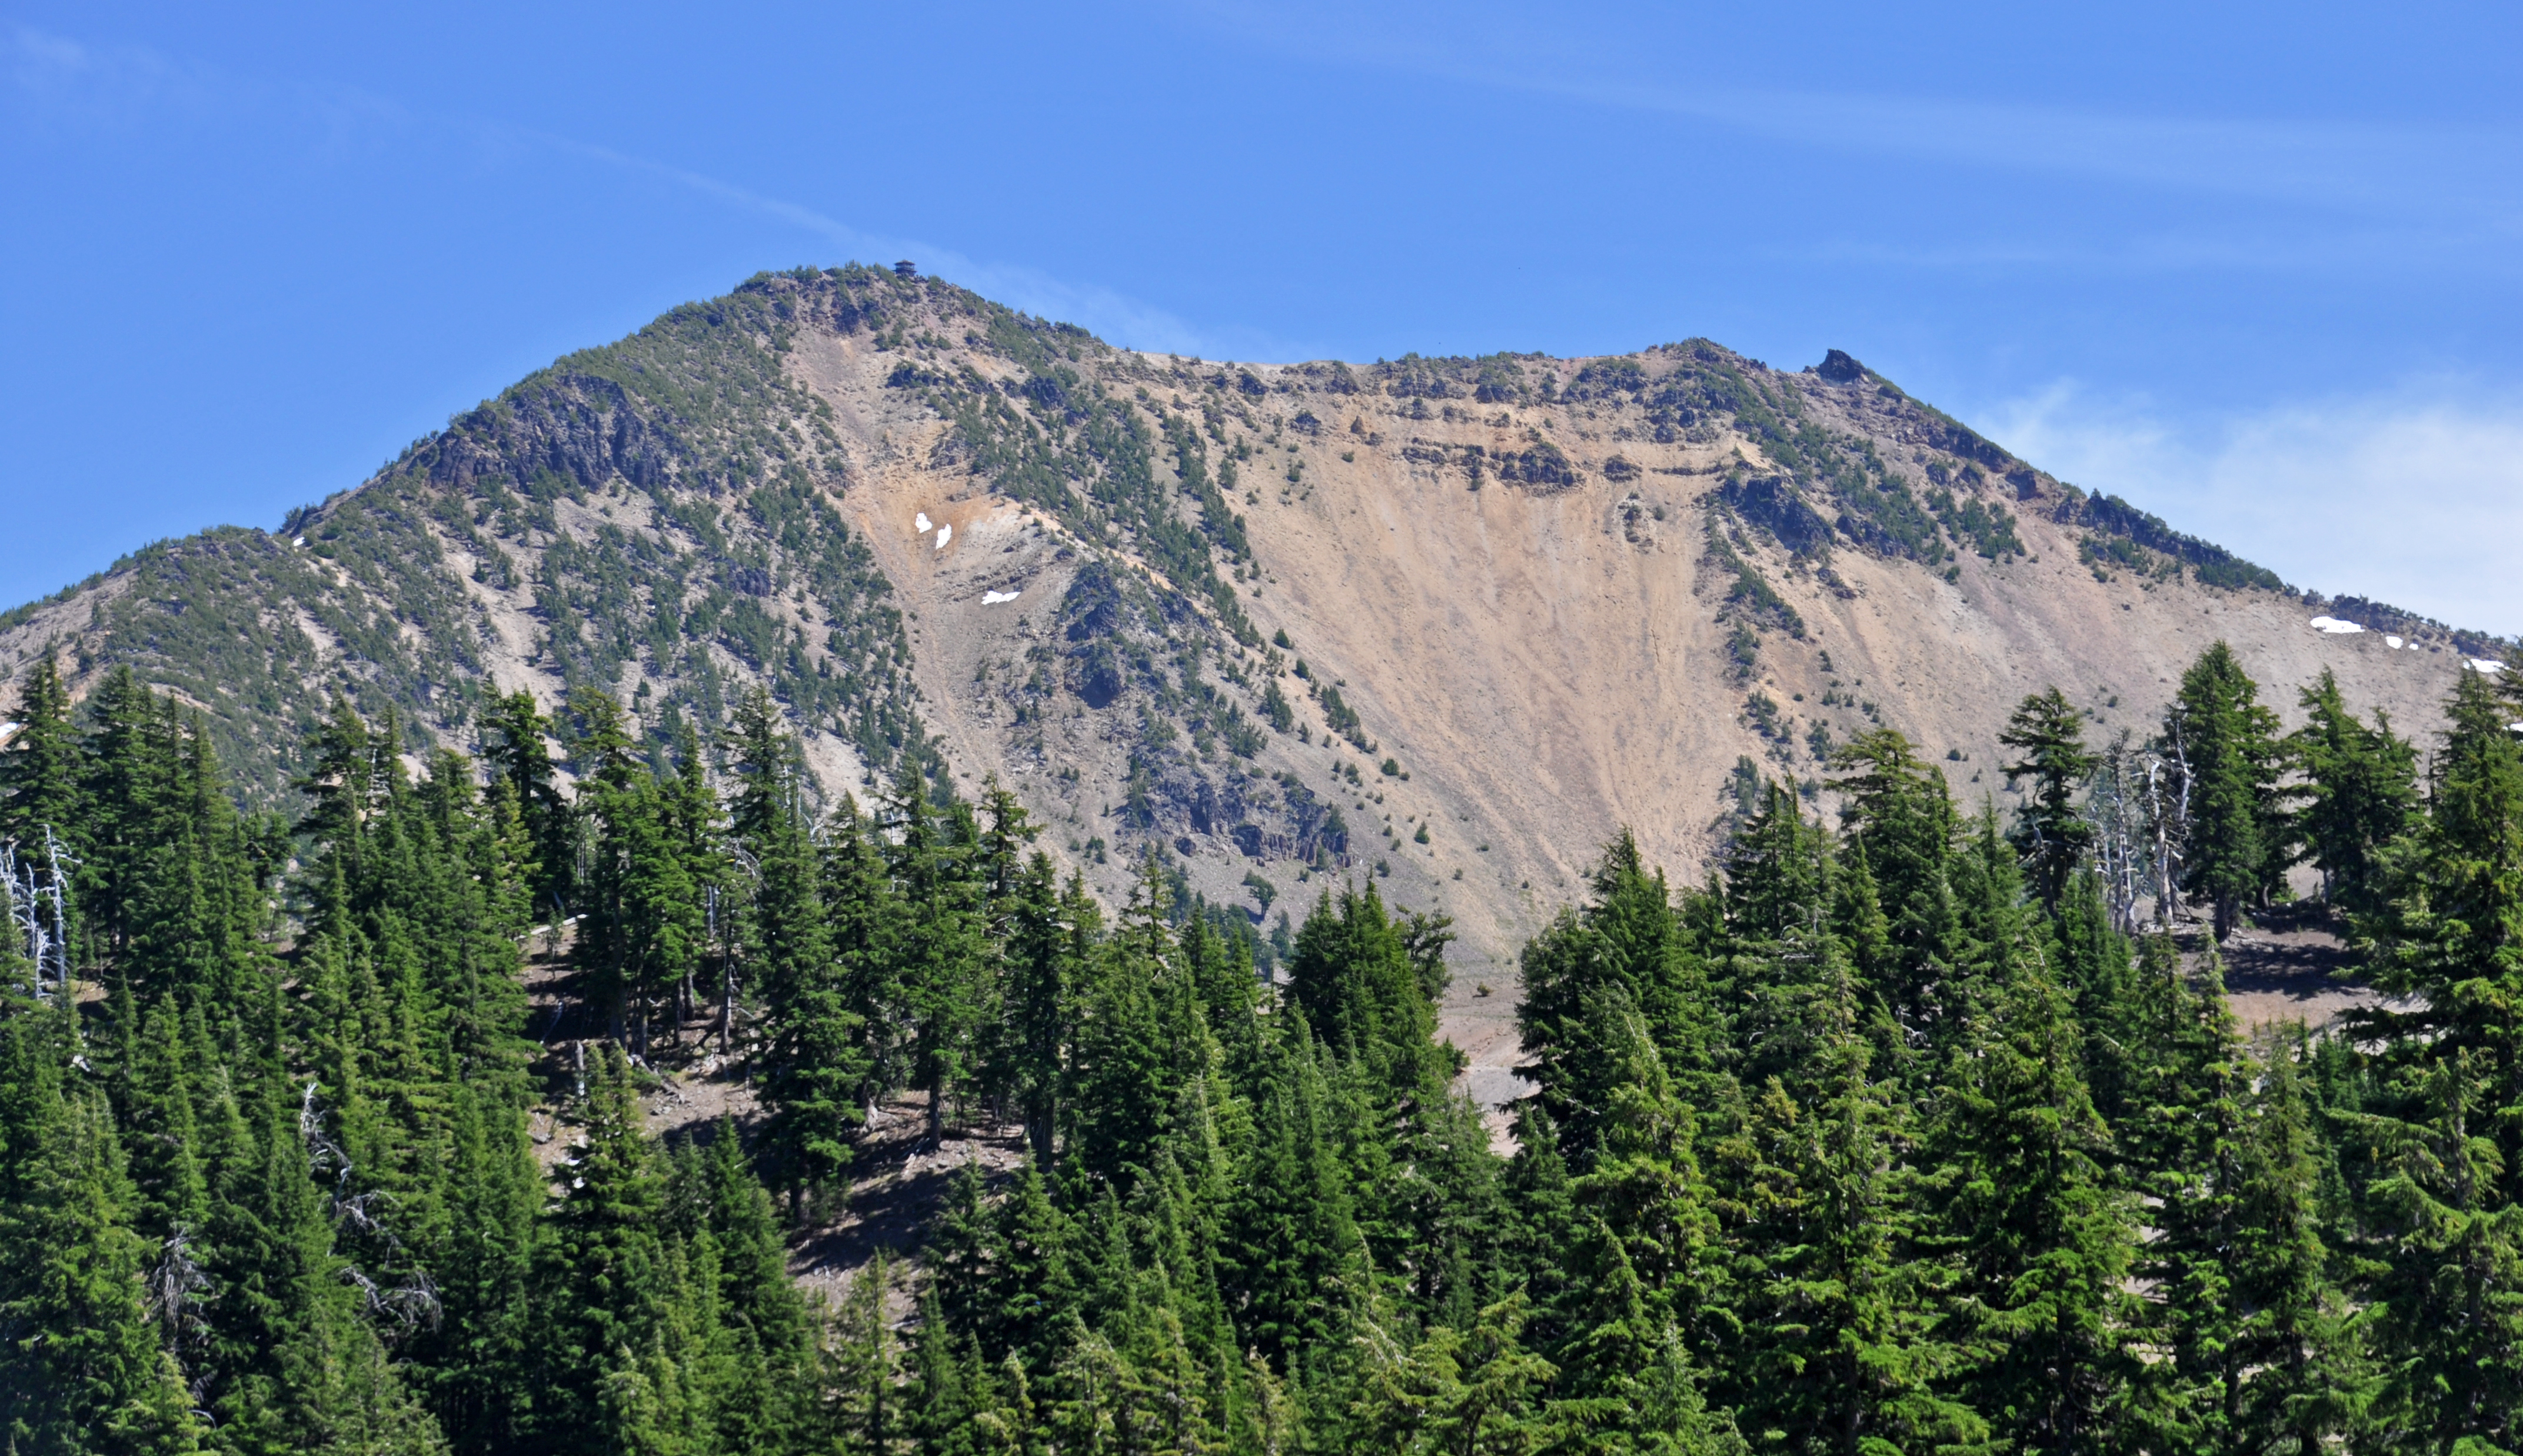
(901, 1175)
(2289, 966)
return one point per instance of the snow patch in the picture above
(297, 540)
(2393, 642)
(920, 522)
(945, 533)
(2485, 665)
(2334, 626)
(993, 599)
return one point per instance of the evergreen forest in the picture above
(1917, 1127)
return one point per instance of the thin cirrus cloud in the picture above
(2455, 175)
(64, 82)
(1111, 315)
(2412, 497)
(2267, 248)
(60, 80)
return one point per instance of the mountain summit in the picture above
(1442, 622)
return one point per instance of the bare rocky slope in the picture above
(1202, 606)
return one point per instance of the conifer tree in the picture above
(942, 949)
(83, 1369)
(2238, 840)
(340, 786)
(1044, 956)
(1628, 936)
(2050, 834)
(1454, 1390)
(1642, 1193)
(867, 1406)
(2094, 962)
(814, 1070)
(641, 925)
(1124, 1072)
(2044, 1238)
(474, 917)
(2361, 791)
(604, 1281)
(516, 749)
(1542, 1222)
(2450, 930)
(694, 831)
(39, 772)
(1997, 927)
(2298, 1369)
(2451, 1290)
(1897, 812)
(2434, 1120)
(1294, 1253)
(1845, 1343)
(129, 771)
(2183, 1141)
(479, 1355)
(1779, 904)
(1353, 976)
(754, 1343)
(1031, 1296)
(1626, 1383)
(291, 1364)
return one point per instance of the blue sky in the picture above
(2254, 266)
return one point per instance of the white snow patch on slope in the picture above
(2485, 665)
(2334, 626)
(920, 522)
(945, 533)
(2393, 642)
(993, 599)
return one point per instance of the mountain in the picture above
(1444, 621)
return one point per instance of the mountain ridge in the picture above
(1163, 612)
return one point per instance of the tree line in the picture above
(1900, 1134)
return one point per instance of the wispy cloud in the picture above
(2455, 175)
(59, 81)
(2481, 252)
(2413, 497)
(1111, 313)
